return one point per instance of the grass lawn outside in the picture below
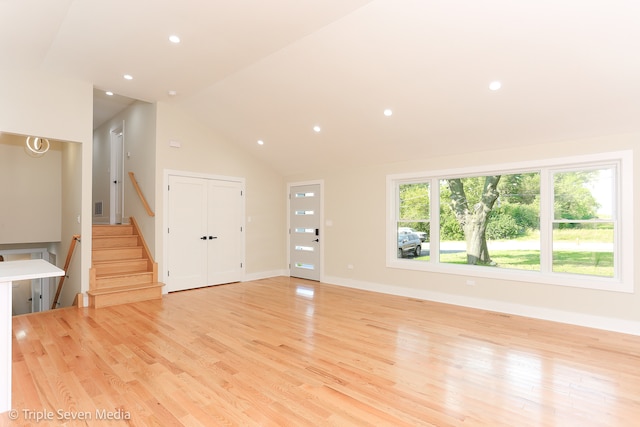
(590, 255)
(589, 263)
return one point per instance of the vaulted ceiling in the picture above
(272, 70)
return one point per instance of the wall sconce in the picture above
(38, 146)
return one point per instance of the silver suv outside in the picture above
(409, 243)
(421, 234)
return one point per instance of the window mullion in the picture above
(546, 221)
(434, 227)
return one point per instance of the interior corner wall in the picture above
(353, 217)
(203, 151)
(40, 104)
(71, 202)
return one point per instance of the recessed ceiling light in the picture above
(260, 142)
(109, 93)
(388, 112)
(316, 129)
(495, 85)
(128, 77)
(174, 39)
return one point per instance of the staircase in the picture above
(122, 270)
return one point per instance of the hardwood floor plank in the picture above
(285, 351)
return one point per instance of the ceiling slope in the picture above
(270, 71)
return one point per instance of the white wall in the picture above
(101, 172)
(72, 206)
(30, 191)
(34, 103)
(140, 143)
(41, 105)
(205, 152)
(355, 202)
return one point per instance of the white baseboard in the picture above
(264, 275)
(572, 318)
(251, 276)
(568, 317)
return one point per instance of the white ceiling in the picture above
(271, 70)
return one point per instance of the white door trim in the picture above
(162, 267)
(322, 223)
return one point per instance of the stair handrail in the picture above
(148, 254)
(140, 195)
(75, 238)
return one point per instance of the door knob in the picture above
(317, 240)
(213, 237)
(203, 238)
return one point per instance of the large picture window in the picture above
(562, 221)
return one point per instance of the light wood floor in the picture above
(288, 352)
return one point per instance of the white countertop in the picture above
(27, 269)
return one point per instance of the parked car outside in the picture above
(409, 243)
(421, 234)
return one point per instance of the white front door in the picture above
(205, 232)
(305, 234)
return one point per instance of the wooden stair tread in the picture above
(127, 288)
(123, 274)
(117, 241)
(123, 266)
(124, 279)
(117, 248)
(122, 270)
(112, 230)
(117, 261)
(117, 254)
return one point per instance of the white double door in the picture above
(205, 233)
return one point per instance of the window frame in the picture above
(622, 281)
